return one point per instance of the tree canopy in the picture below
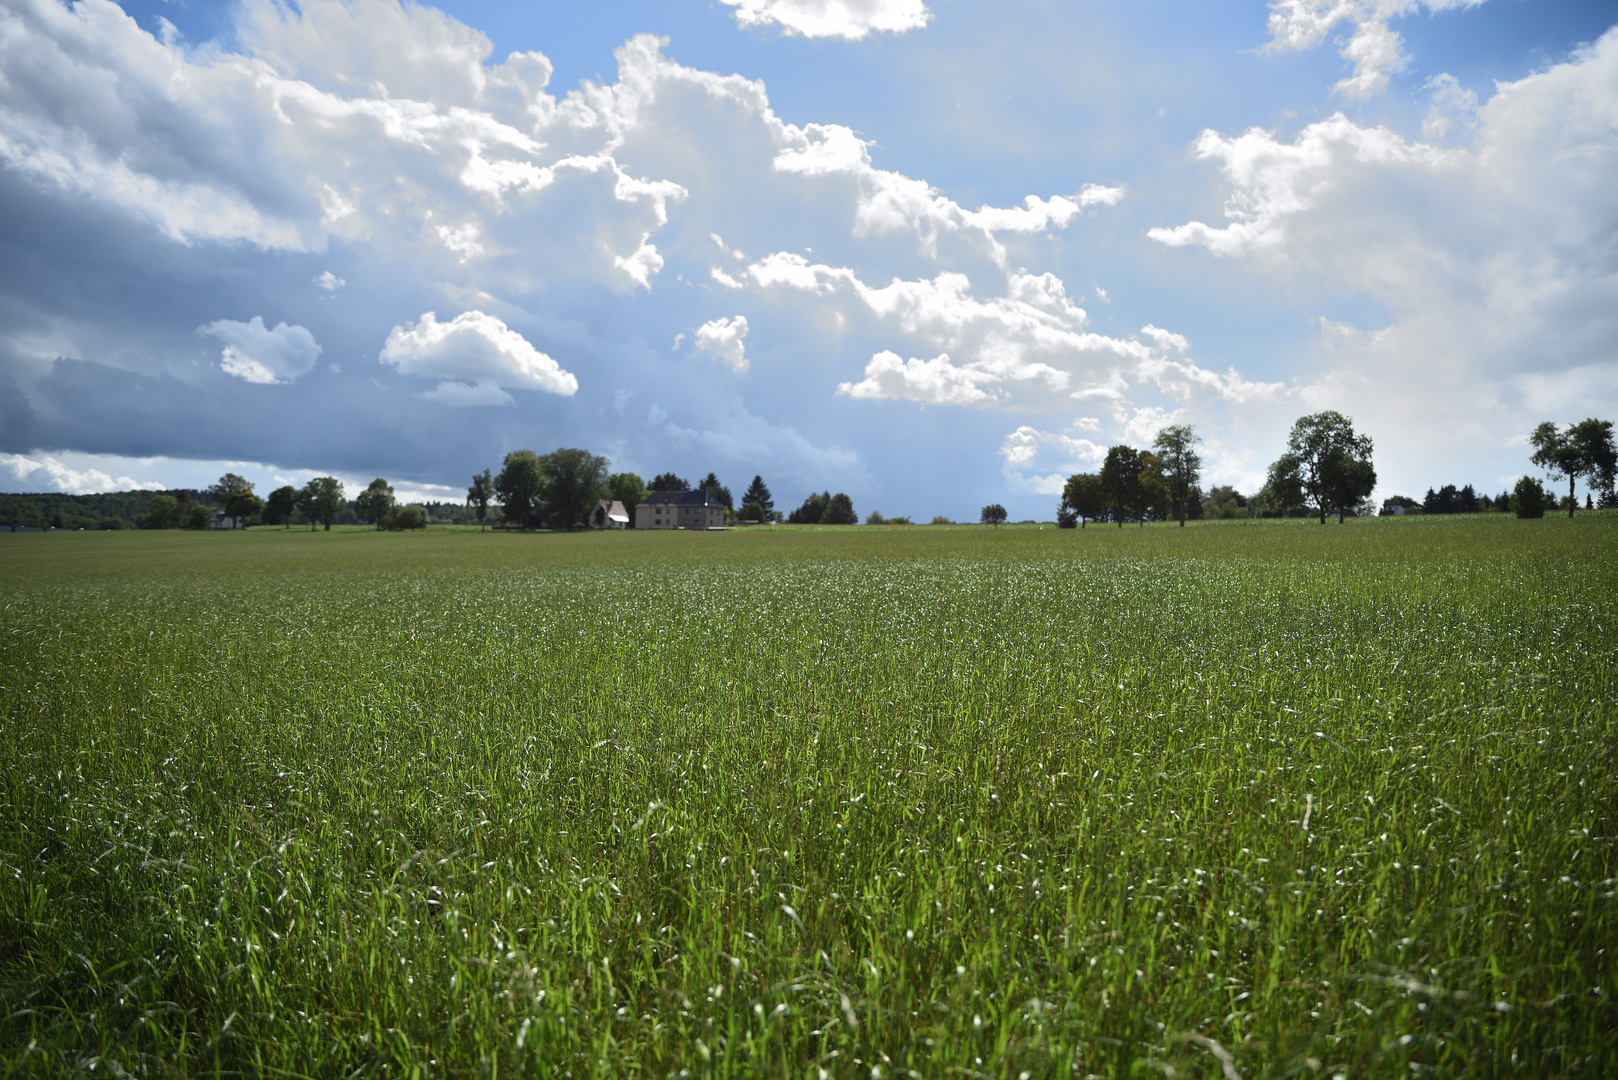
(627, 488)
(669, 482)
(720, 492)
(574, 481)
(1326, 467)
(1121, 482)
(162, 512)
(281, 505)
(1585, 449)
(993, 514)
(321, 499)
(825, 509)
(1528, 498)
(243, 506)
(758, 493)
(810, 513)
(480, 494)
(839, 511)
(228, 485)
(520, 487)
(375, 503)
(1179, 464)
(234, 495)
(558, 489)
(1083, 498)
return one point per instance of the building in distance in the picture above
(680, 510)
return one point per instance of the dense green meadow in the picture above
(1250, 799)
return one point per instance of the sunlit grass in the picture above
(794, 802)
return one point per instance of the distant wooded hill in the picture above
(128, 508)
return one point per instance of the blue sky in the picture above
(932, 253)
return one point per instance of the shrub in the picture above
(410, 517)
(1528, 498)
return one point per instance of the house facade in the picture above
(680, 510)
(609, 514)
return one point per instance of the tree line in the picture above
(1134, 485)
(1327, 469)
(559, 490)
(1585, 450)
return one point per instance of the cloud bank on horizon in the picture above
(345, 238)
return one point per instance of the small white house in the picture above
(609, 514)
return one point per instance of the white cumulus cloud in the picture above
(261, 355)
(477, 352)
(1450, 102)
(1375, 49)
(1034, 336)
(932, 382)
(846, 19)
(724, 337)
(1493, 260)
(890, 202)
(1272, 182)
(1040, 462)
(45, 473)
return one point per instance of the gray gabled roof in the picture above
(682, 498)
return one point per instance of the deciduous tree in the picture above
(1327, 466)
(321, 499)
(375, 503)
(1120, 481)
(1180, 464)
(1154, 489)
(1585, 449)
(812, 510)
(1084, 496)
(574, 481)
(242, 507)
(228, 485)
(629, 489)
(839, 511)
(520, 486)
(480, 494)
(993, 514)
(281, 505)
(1225, 503)
(234, 495)
(162, 512)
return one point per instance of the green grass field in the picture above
(1257, 800)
